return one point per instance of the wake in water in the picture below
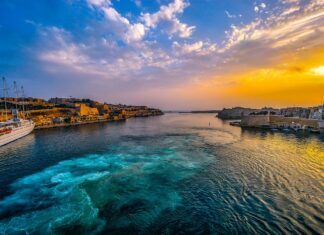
(109, 191)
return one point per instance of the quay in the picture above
(295, 119)
(74, 124)
(276, 122)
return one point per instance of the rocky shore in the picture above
(61, 112)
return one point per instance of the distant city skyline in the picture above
(169, 54)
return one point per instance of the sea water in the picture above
(172, 174)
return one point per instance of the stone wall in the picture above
(277, 121)
(255, 121)
(285, 121)
(85, 110)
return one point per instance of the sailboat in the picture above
(16, 128)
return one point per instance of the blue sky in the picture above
(152, 52)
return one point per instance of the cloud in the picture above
(127, 31)
(142, 61)
(265, 39)
(230, 15)
(290, 11)
(260, 7)
(99, 2)
(183, 30)
(66, 53)
(102, 58)
(277, 31)
(188, 48)
(290, 1)
(113, 15)
(168, 14)
(200, 48)
(256, 9)
(263, 5)
(133, 32)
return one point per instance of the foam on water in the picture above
(129, 186)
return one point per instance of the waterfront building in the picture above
(103, 109)
(85, 110)
(69, 102)
(295, 112)
(317, 113)
(278, 121)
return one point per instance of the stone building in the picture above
(85, 110)
(295, 112)
(317, 113)
(277, 121)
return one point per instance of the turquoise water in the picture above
(173, 174)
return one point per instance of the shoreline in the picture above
(85, 123)
(74, 124)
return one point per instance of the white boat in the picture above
(14, 129)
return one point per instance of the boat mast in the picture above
(15, 89)
(4, 96)
(23, 98)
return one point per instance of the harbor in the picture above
(307, 120)
(59, 112)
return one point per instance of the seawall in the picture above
(277, 121)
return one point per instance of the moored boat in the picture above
(16, 128)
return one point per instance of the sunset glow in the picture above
(318, 71)
(172, 54)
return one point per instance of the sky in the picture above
(169, 54)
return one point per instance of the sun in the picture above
(318, 71)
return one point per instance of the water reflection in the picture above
(15, 148)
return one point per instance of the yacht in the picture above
(16, 128)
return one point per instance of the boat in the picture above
(16, 128)
(314, 130)
(296, 129)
